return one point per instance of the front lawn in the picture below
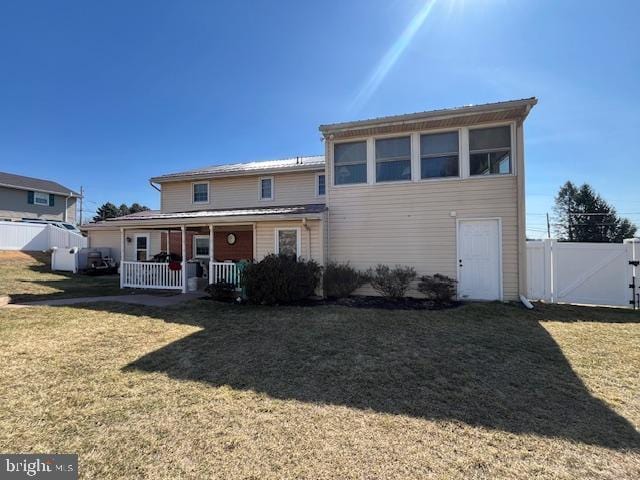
(206, 390)
(27, 276)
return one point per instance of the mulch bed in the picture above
(363, 301)
(407, 303)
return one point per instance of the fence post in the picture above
(633, 254)
(548, 269)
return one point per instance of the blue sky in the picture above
(107, 94)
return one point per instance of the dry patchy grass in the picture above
(207, 390)
(27, 276)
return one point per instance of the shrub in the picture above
(280, 279)
(391, 283)
(439, 288)
(340, 280)
(222, 291)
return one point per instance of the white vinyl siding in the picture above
(296, 188)
(414, 222)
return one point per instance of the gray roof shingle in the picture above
(30, 183)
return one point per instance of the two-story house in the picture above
(442, 191)
(34, 198)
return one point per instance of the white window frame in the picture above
(368, 142)
(512, 128)
(416, 171)
(193, 186)
(298, 240)
(374, 160)
(461, 137)
(273, 187)
(194, 250)
(135, 245)
(42, 195)
(318, 195)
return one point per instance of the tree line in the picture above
(109, 210)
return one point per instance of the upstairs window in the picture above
(41, 198)
(266, 188)
(321, 185)
(439, 155)
(393, 159)
(350, 163)
(490, 151)
(201, 192)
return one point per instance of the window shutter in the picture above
(51, 199)
(30, 197)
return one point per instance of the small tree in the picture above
(584, 216)
(391, 283)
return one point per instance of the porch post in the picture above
(184, 259)
(210, 253)
(121, 256)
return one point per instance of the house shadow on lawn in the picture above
(489, 365)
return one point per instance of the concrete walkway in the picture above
(144, 299)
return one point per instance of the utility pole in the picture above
(548, 227)
(81, 202)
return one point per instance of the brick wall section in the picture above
(241, 250)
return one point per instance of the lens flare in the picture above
(392, 55)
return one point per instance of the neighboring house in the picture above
(442, 191)
(34, 198)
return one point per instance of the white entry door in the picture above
(479, 247)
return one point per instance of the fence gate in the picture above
(586, 273)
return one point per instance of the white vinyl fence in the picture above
(37, 237)
(583, 273)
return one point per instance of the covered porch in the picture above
(175, 251)
(168, 257)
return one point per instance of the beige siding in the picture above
(411, 224)
(111, 239)
(14, 204)
(239, 192)
(266, 238)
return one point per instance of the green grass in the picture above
(207, 390)
(28, 277)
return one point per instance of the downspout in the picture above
(151, 183)
(66, 205)
(306, 227)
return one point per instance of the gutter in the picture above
(151, 183)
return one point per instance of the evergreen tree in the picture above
(582, 215)
(136, 207)
(123, 210)
(108, 210)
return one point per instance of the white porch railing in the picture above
(224, 272)
(151, 275)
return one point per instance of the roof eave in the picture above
(250, 173)
(410, 118)
(196, 221)
(69, 193)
